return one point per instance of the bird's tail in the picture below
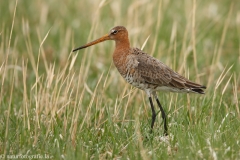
(197, 88)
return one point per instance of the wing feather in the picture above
(153, 71)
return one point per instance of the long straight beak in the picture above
(103, 38)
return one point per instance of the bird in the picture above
(145, 72)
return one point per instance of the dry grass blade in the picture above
(26, 101)
(90, 104)
(6, 143)
(41, 49)
(9, 111)
(223, 37)
(73, 61)
(235, 93)
(193, 40)
(225, 87)
(222, 76)
(219, 81)
(145, 42)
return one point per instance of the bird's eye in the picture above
(114, 32)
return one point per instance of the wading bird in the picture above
(145, 72)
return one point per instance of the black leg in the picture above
(163, 117)
(153, 113)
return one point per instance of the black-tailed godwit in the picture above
(145, 72)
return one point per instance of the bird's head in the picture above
(118, 34)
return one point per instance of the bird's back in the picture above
(148, 73)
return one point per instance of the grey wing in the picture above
(155, 72)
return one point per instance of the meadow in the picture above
(56, 104)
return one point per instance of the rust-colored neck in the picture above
(120, 54)
(122, 49)
(122, 44)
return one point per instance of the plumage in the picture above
(144, 69)
(145, 72)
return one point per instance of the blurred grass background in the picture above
(76, 105)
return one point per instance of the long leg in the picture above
(153, 113)
(163, 116)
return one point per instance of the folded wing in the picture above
(157, 73)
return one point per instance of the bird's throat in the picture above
(122, 44)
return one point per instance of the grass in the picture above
(63, 105)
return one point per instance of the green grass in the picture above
(67, 105)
